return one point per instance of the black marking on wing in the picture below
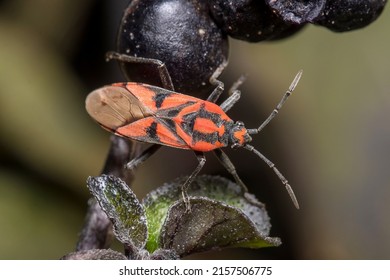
(151, 131)
(160, 97)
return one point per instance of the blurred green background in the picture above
(331, 140)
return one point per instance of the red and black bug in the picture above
(155, 115)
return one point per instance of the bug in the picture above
(160, 116)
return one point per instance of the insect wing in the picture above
(153, 130)
(143, 112)
(158, 100)
(114, 106)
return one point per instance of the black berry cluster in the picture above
(256, 20)
(190, 36)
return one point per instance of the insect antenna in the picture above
(277, 172)
(280, 104)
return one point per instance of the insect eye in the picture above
(240, 124)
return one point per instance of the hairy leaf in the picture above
(122, 207)
(209, 194)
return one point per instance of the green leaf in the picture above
(210, 224)
(123, 208)
(242, 220)
(156, 205)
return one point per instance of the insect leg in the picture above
(279, 106)
(224, 159)
(234, 95)
(162, 69)
(277, 172)
(214, 81)
(229, 103)
(202, 160)
(135, 162)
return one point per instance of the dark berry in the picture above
(298, 11)
(181, 34)
(250, 20)
(346, 15)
